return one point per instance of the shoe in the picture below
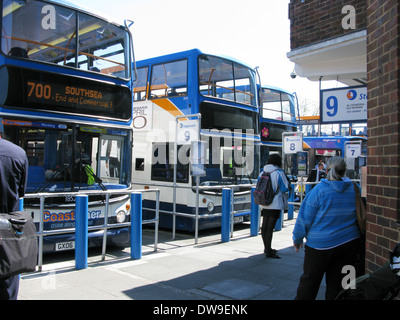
(272, 255)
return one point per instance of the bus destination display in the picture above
(66, 94)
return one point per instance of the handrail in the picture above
(227, 88)
(303, 184)
(41, 233)
(64, 49)
(196, 217)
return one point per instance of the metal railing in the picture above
(305, 187)
(197, 216)
(105, 226)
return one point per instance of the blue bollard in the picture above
(81, 232)
(226, 215)
(279, 222)
(291, 206)
(21, 204)
(254, 216)
(136, 225)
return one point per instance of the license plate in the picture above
(62, 246)
(238, 219)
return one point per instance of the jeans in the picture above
(9, 288)
(329, 262)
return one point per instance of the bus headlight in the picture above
(121, 216)
(210, 206)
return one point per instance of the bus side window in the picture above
(159, 166)
(162, 169)
(139, 164)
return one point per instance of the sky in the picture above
(256, 32)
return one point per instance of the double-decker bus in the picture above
(221, 93)
(65, 98)
(277, 115)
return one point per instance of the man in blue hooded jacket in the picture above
(327, 219)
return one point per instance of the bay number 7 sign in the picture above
(353, 150)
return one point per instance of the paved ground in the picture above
(179, 270)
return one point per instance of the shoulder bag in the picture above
(361, 210)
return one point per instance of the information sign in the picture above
(344, 105)
(353, 150)
(188, 131)
(292, 142)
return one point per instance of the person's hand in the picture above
(297, 246)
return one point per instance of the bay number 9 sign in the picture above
(347, 104)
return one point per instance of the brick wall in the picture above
(383, 182)
(315, 21)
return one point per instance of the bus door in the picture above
(110, 150)
(237, 162)
(317, 155)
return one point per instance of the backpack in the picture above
(264, 193)
(18, 244)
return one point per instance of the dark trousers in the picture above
(9, 288)
(329, 262)
(267, 228)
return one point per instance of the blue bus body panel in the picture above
(327, 142)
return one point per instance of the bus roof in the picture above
(276, 89)
(185, 54)
(90, 11)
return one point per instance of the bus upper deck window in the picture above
(169, 79)
(38, 31)
(48, 32)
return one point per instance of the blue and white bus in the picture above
(65, 98)
(352, 148)
(222, 93)
(277, 115)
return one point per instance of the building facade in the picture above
(358, 42)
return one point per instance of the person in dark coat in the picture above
(13, 181)
(317, 174)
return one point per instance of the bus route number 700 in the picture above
(39, 90)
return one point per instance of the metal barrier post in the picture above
(136, 225)
(103, 249)
(254, 216)
(226, 214)
(291, 206)
(40, 255)
(81, 232)
(279, 222)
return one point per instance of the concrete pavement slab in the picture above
(179, 270)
